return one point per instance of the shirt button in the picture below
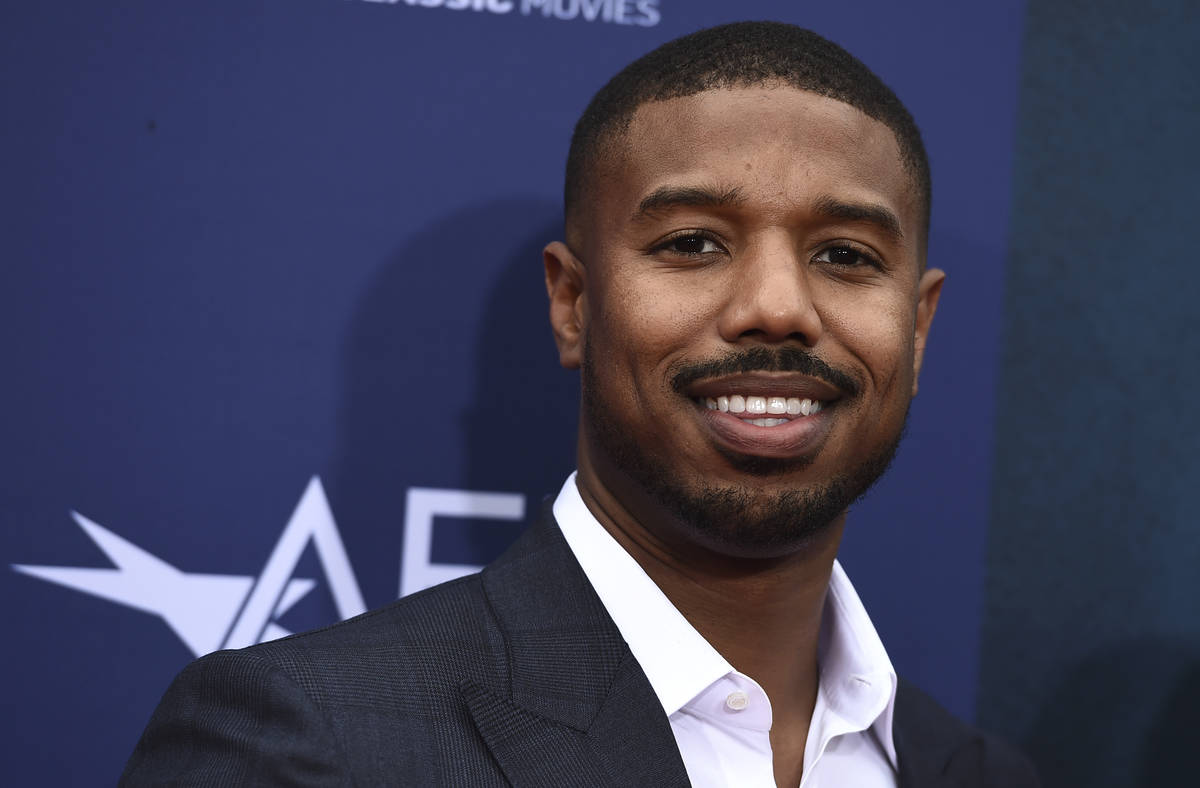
(736, 701)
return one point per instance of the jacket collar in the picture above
(572, 705)
(933, 747)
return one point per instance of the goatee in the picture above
(743, 520)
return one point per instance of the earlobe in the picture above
(929, 290)
(565, 287)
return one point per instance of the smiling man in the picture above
(744, 286)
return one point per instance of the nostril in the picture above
(807, 339)
(771, 305)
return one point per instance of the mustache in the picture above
(763, 359)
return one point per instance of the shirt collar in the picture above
(858, 683)
(677, 660)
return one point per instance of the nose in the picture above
(770, 298)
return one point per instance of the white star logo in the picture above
(209, 611)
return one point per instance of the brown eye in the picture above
(843, 256)
(690, 245)
(847, 257)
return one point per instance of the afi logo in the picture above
(213, 611)
(210, 611)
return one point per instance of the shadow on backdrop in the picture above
(458, 315)
(519, 432)
(1135, 705)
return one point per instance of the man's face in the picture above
(745, 295)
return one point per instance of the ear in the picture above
(929, 290)
(565, 286)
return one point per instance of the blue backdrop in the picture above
(275, 342)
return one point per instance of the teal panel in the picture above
(1091, 638)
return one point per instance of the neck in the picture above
(762, 614)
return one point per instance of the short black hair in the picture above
(742, 54)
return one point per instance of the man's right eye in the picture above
(689, 245)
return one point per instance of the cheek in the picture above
(878, 333)
(652, 315)
(644, 322)
(621, 344)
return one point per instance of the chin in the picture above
(766, 467)
(757, 516)
(749, 522)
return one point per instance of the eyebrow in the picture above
(668, 197)
(870, 213)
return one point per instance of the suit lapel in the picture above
(933, 748)
(575, 707)
(571, 706)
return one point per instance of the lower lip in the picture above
(795, 438)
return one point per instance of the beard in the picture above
(745, 520)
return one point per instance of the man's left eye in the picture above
(846, 256)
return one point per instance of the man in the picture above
(743, 284)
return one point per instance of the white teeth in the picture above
(776, 406)
(767, 422)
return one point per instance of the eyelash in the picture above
(665, 244)
(866, 257)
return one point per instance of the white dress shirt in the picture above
(722, 718)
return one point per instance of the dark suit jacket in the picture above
(516, 675)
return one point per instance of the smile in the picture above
(779, 414)
(766, 426)
(763, 407)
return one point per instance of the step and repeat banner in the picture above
(275, 343)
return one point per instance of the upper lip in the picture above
(765, 384)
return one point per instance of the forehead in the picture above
(780, 147)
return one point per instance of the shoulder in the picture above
(932, 741)
(381, 698)
(432, 640)
(345, 704)
(438, 618)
